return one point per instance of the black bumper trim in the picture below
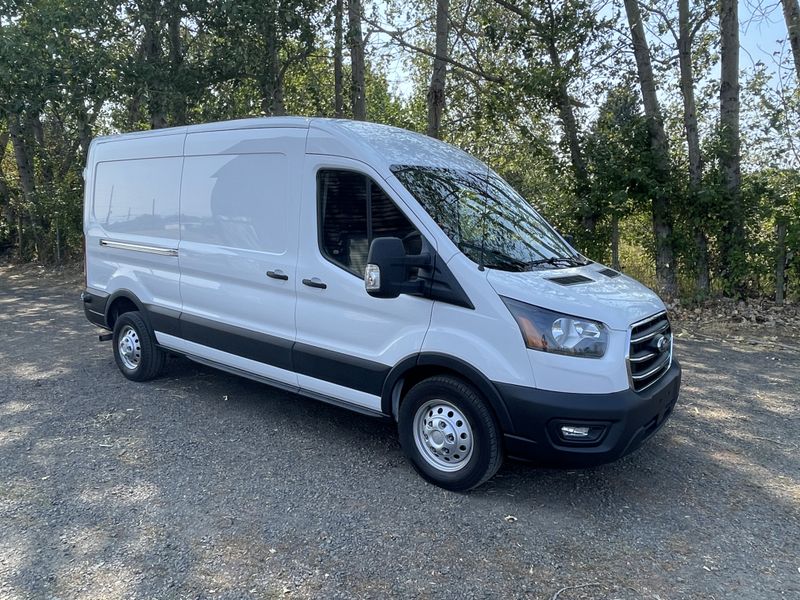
(631, 418)
(94, 307)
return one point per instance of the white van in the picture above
(379, 270)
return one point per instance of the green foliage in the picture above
(518, 71)
(619, 164)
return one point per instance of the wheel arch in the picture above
(122, 301)
(414, 369)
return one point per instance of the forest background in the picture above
(648, 130)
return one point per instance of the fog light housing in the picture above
(578, 433)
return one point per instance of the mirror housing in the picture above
(388, 270)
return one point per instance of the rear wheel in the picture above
(135, 350)
(449, 433)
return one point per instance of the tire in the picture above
(135, 350)
(451, 413)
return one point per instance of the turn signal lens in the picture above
(372, 278)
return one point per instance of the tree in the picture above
(260, 42)
(661, 209)
(556, 30)
(338, 74)
(357, 66)
(791, 14)
(436, 89)
(687, 29)
(733, 239)
(619, 162)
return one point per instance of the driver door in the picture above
(347, 341)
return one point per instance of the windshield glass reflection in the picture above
(488, 221)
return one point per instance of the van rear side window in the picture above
(138, 196)
(236, 200)
(354, 210)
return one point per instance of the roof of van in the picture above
(365, 141)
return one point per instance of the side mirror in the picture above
(388, 272)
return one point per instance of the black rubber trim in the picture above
(327, 365)
(242, 342)
(94, 308)
(390, 403)
(128, 295)
(349, 371)
(443, 286)
(289, 388)
(165, 320)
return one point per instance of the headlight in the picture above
(550, 331)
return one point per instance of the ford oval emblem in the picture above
(662, 343)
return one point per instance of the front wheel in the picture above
(135, 350)
(449, 433)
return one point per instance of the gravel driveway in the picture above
(204, 485)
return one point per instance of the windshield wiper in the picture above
(559, 260)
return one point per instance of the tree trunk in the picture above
(5, 196)
(27, 179)
(436, 88)
(569, 123)
(566, 114)
(729, 156)
(338, 71)
(270, 78)
(23, 159)
(20, 238)
(151, 49)
(780, 263)
(615, 241)
(356, 41)
(791, 14)
(662, 216)
(178, 100)
(685, 38)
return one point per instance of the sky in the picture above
(762, 25)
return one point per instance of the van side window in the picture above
(353, 211)
(138, 196)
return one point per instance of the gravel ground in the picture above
(205, 485)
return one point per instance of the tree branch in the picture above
(397, 37)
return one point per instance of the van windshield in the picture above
(488, 221)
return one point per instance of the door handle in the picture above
(278, 275)
(315, 283)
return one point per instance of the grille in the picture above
(650, 352)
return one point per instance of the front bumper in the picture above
(628, 419)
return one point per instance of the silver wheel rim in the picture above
(443, 435)
(130, 349)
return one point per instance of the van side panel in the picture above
(239, 218)
(131, 218)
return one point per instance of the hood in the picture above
(592, 291)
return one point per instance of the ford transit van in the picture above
(378, 270)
